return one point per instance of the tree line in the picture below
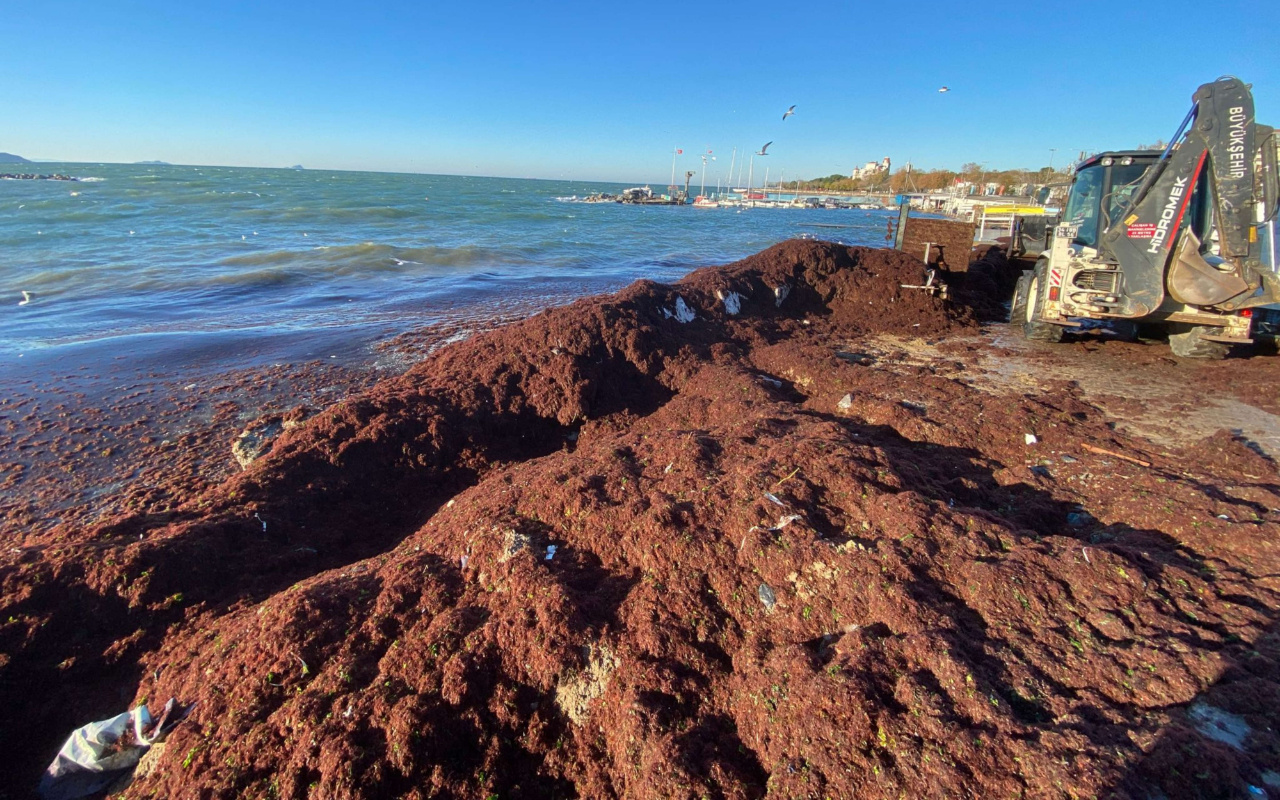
(905, 179)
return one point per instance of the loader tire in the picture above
(1018, 306)
(1033, 307)
(1186, 341)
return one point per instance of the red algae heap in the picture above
(682, 541)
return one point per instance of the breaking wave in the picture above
(368, 257)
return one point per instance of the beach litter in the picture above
(785, 521)
(1104, 452)
(1219, 725)
(97, 755)
(767, 597)
(732, 302)
(782, 523)
(682, 312)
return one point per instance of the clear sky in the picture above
(600, 90)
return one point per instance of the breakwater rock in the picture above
(31, 176)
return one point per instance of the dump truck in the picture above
(1183, 238)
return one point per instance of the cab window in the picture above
(1125, 180)
(1084, 203)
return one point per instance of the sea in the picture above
(180, 268)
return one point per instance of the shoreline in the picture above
(800, 544)
(97, 437)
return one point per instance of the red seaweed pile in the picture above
(681, 541)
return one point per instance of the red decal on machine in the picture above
(1175, 206)
(1142, 230)
(1055, 277)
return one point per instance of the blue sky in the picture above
(606, 91)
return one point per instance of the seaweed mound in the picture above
(676, 542)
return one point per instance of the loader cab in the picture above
(1100, 190)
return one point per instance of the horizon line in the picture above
(152, 163)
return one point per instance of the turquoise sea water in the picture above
(172, 265)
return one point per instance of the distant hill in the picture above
(155, 163)
(10, 158)
(297, 166)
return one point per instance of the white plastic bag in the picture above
(96, 755)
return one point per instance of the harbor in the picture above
(741, 198)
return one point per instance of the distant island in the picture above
(297, 166)
(155, 163)
(10, 158)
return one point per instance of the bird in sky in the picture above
(762, 149)
(944, 89)
(789, 112)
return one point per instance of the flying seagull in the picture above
(790, 111)
(762, 149)
(943, 89)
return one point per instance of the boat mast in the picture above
(732, 160)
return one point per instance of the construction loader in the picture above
(1182, 239)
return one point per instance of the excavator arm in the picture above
(1152, 242)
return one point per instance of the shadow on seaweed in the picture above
(963, 478)
(713, 751)
(315, 515)
(59, 677)
(1191, 758)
